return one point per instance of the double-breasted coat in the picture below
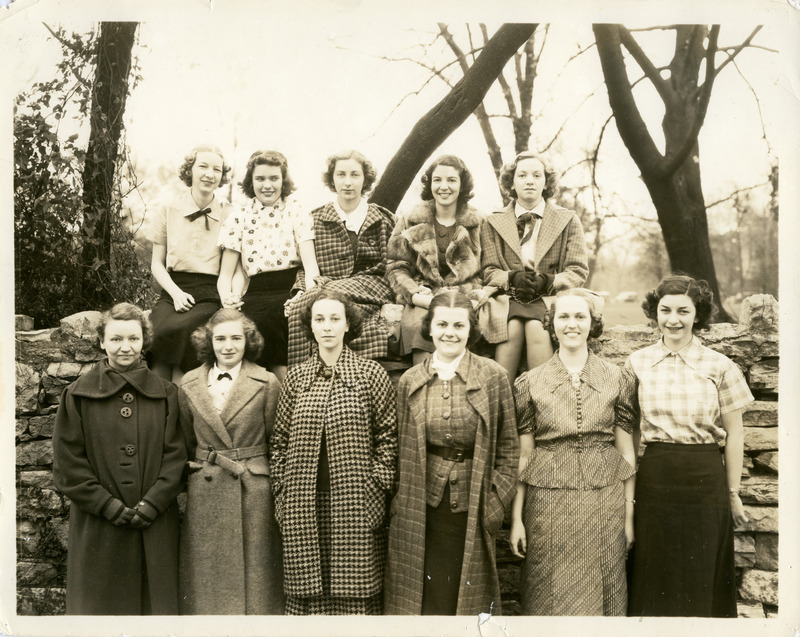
(560, 248)
(491, 490)
(413, 263)
(231, 560)
(360, 274)
(356, 411)
(117, 437)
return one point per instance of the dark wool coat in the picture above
(231, 562)
(117, 436)
(560, 248)
(356, 410)
(491, 490)
(413, 262)
(361, 276)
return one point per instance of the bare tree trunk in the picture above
(109, 94)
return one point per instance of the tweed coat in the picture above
(413, 262)
(560, 248)
(491, 490)
(362, 276)
(231, 560)
(356, 411)
(117, 436)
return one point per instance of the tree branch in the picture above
(649, 69)
(736, 50)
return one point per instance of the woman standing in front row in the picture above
(687, 498)
(458, 460)
(230, 561)
(572, 518)
(334, 451)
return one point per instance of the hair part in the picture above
(698, 290)
(185, 170)
(203, 336)
(351, 313)
(508, 171)
(268, 158)
(466, 191)
(594, 302)
(126, 312)
(452, 299)
(370, 175)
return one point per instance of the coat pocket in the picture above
(493, 513)
(374, 503)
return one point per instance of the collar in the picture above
(215, 371)
(103, 381)
(446, 371)
(256, 206)
(537, 210)
(425, 212)
(689, 353)
(470, 370)
(554, 373)
(354, 220)
(190, 206)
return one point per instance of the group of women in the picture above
(312, 489)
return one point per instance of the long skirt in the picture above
(263, 304)
(575, 562)
(683, 561)
(326, 604)
(172, 330)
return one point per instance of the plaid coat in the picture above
(414, 262)
(560, 248)
(360, 276)
(492, 488)
(356, 410)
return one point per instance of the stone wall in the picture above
(48, 360)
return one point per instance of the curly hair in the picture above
(268, 158)
(454, 299)
(351, 313)
(594, 302)
(126, 312)
(370, 175)
(203, 336)
(467, 183)
(697, 290)
(507, 176)
(185, 171)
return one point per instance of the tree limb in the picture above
(650, 70)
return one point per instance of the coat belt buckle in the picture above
(212, 455)
(459, 456)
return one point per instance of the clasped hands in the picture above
(139, 517)
(529, 285)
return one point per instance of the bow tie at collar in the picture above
(195, 215)
(224, 375)
(522, 224)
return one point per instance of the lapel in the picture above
(417, 402)
(243, 390)
(554, 220)
(195, 385)
(505, 223)
(476, 394)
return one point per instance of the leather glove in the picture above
(542, 283)
(521, 279)
(144, 514)
(117, 513)
(525, 295)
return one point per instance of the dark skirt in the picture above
(682, 561)
(527, 311)
(172, 330)
(263, 304)
(445, 534)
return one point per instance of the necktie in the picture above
(522, 224)
(224, 375)
(203, 212)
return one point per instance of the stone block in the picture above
(41, 426)
(27, 389)
(35, 336)
(767, 551)
(86, 352)
(41, 601)
(759, 586)
(35, 453)
(23, 323)
(38, 479)
(759, 490)
(764, 376)
(38, 574)
(34, 503)
(28, 537)
(52, 387)
(766, 460)
(21, 430)
(744, 560)
(81, 325)
(750, 611)
(68, 371)
(762, 519)
(761, 413)
(759, 315)
(744, 546)
(760, 438)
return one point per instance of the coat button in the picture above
(125, 412)
(446, 415)
(454, 504)
(446, 395)
(130, 450)
(453, 480)
(448, 437)
(127, 397)
(208, 478)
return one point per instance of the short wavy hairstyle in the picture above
(185, 171)
(370, 175)
(203, 336)
(126, 312)
(594, 302)
(268, 158)
(467, 183)
(508, 171)
(697, 290)
(351, 313)
(451, 299)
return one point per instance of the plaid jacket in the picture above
(492, 487)
(560, 248)
(356, 411)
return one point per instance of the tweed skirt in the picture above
(575, 562)
(263, 304)
(172, 330)
(683, 559)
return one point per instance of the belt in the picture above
(226, 458)
(451, 453)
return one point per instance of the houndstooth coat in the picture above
(361, 277)
(413, 262)
(356, 410)
(491, 490)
